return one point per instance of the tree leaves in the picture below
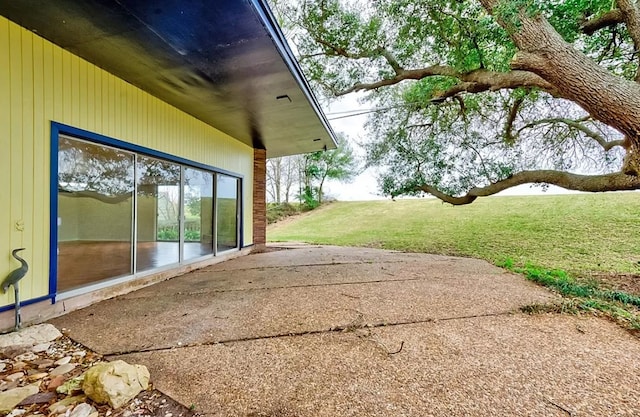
(336, 164)
(446, 128)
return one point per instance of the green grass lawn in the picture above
(579, 233)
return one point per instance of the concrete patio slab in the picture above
(326, 331)
(217, 305)
(304, 255)
(296, 275)
(513, 365)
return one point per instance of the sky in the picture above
(365, 186)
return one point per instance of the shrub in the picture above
(277, 212)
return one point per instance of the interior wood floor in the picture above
(87, 262)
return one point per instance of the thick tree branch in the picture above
(393, 62)
(473, 82)
(543, 51)
(631, 16)
(589, 183)
(513, 113)
(463, 87)
(610, 18)
(576, 124)
(416, 74)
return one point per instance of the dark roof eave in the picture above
(225, 64)
(272, 27)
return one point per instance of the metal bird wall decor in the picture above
(12, 279)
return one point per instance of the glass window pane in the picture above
(95, 206)
(158, 209)
(227, 208)
(100, 187)
(198, 213)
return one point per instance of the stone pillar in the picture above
(259, 198)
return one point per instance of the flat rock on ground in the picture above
(327, 331)
(31, 336)
(30, 376)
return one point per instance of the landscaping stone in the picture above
(12, 351)
(33, 335)
(9, 399)
(42, 347)
(63, 369)
(59, 394)
(39, 398)
(63, 404)
(14, 377)
(5, 385)
(27, 356)
(56, 382)
(63, 361)
(39, 375)
(83, 410)
(43, 363)
(16, 412)
(115, 383)
(18, 365)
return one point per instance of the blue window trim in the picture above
(58, 129)
(53, 212)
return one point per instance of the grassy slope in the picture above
(577, 233)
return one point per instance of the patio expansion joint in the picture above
(348, 328)
(399, 261)
(284, 287)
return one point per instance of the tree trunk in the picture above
(320, 190)
(278, 179)
(274, 178)
(611, 99)
(291, 168)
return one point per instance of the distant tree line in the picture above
(302, 178)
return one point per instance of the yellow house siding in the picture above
(5, 156)
(43, 83)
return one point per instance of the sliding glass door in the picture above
(198, 213)
(121, 212)
(227, 216)
(95, 213)
(158, 213)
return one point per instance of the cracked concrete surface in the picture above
(327, 331)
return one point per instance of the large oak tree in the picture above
(470, 97)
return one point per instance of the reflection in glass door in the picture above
(95, 209)
(120, 213)
(158, 213)
(227, 210)
(198, 213)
